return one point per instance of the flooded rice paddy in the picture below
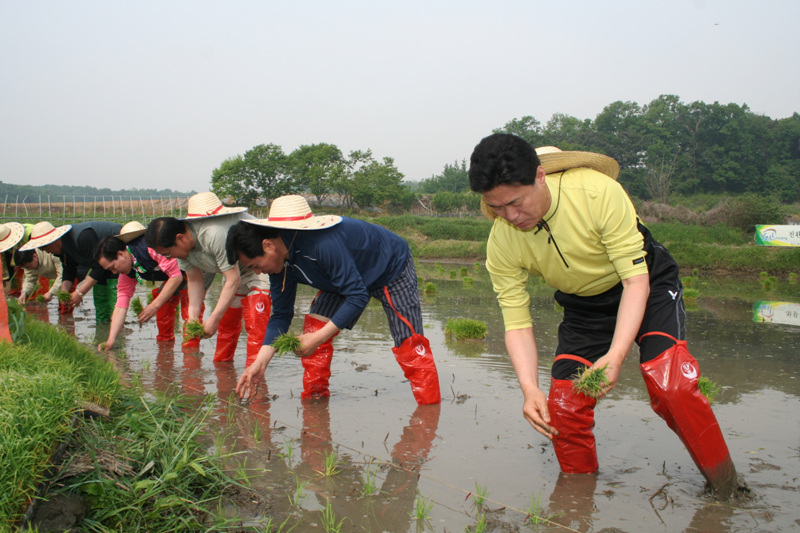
(400, 467)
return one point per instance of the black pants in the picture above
(589, 322)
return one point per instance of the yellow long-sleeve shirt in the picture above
(594, 225)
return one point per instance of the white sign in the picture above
(777, 312)
(778, 235)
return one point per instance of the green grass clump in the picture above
(430, 288)
(136, 306)
(465, 328)
(708, 388)
(286, 343)
(591, 381)
(193, 329)
(40, 298)
(453, 274)
(468, 280)
(63, 297)
(690, 296)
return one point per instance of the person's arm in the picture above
(166, 292)
(521, 346)
(635, 292)
(29, 280)
(117, 321)
(82, 290)
(247, 386)
(309, 342)
(226, 296)
(59, 268)
(196, 288)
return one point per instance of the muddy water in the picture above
(440, 455)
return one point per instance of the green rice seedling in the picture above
(465, 328)
(288, 451)
(463, 271)
(299, 491)
(430, 288)
(468, 281)
(763, 275)
(420, 280)
(369, 484)
(440, 271)
(193, 329)
(690, 296)
(535, 511)
(256, 431)
(438, 265)
(16, 320)
(286, 343)
(453, 274)
(480, 495)
(40, 299)
(477, 267)
(241, 473)
(695, 273)
(768, 283)
(63, 297)
(708, 388)
(591, 381)
(422, 508)
(136, 306)
(688, 282)
(329, 522)
(269, 526)
(480, 526)
(330, 464)
(146, 366)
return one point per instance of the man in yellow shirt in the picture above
(563, 217)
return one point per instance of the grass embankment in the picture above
(706, 248)
(142, 468)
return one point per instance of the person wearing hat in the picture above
(198, 242)
(12, 236)
(40, 267)
(349, 261)
(75, 245)
(128, 255)
(564, 217)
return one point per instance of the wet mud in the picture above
(473, 459)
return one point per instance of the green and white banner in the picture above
(777, 312)
(778, 235)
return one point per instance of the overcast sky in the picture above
(156, 94)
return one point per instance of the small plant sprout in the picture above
(136, 306)
(453, 274)
(299, 491)
(535, 511)
(690, 296)
(430, 288)
(480, 495)
(256, 431)
(146, 366)
(422, 508)
(476, 267)
(241, 473)
(480, 525)
(286, 343)
(468, 281)
(591, 381)
(463, 271)
(331, 464)
(465, 328)
(193, 329)
(329, 523)
(369, 484)
(708, 388)
(288, 451)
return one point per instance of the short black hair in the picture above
(24, 257)
(109, 248)
(162, 231)
(502, 159)
(246, 239)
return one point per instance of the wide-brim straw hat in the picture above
(43, 233)
(10, 234)
(130, 231)
(293, 212)
(207, 205)
(554, 160)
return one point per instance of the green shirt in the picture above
(594, 225)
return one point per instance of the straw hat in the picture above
(130, 231)
(292, 212)
(44, 233)
(554, 160)
(207, 205)
(10, 234)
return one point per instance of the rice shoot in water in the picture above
(136, 306)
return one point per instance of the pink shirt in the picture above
(127, 285)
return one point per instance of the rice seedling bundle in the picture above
(63, 297)
(708, 388)
(136, 306)
(591, 382)
(286, 343)
(465, 328)
(193, 330)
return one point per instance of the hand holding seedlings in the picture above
(193, 330)
(286, 343)
(592, 382)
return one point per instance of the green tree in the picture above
(231, 181)
(318, 168)
(527, 127)
(454, 178)
(378, 183)
(265, 171)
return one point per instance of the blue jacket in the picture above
(351, 259)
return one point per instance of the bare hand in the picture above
(612, 372)
(247, 387)
(147, 313)
(47, 296)
(75, 299)
(308, 344)
(534, 409)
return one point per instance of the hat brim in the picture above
(57, 233)
(222, 212)
(307, 224)
(15, 234)
(129, 236)
(555, 162)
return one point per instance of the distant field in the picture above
(94, 208)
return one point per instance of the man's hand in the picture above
(611, 371)
(534, 409)
(148, 313)
(247, 387)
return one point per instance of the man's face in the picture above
(121, 265)
(521, 205)
(180, 250)
(33, 263)
(270, 262)
(54, 247)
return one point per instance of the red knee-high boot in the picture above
(671, 380)
(230, 327)
(416, 359)
(256, 307)
(572, 414)
(165, 317)
(317, 366)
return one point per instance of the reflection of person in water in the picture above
(349, 261)
(563, 216)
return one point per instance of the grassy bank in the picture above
(706, 248)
